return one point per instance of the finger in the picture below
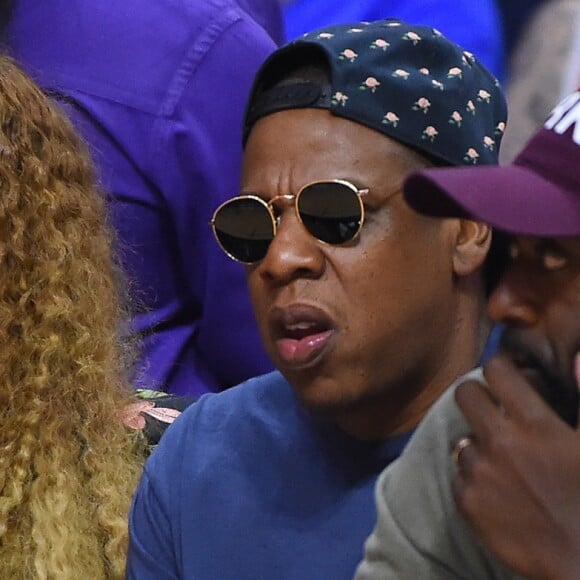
(512, 389)
(460, 489)
(479, 409)
(466, 484)
(458, 486)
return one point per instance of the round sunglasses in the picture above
(332, 211)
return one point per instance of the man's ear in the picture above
(472, 243)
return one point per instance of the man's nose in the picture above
(513, 300)
(293, 253)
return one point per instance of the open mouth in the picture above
(301, 330)
(302, 335)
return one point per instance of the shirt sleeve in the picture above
(391, 552)
(158, 536)
(419, 532)
(196, 153)
(151, 552)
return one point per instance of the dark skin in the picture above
(401, 304)
(518, 481)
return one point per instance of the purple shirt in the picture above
(158, 89)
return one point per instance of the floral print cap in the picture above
(408, 82)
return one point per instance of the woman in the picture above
(68, 466)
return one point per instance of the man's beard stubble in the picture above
(559, 392)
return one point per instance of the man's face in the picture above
(372, 320)
(538, 298)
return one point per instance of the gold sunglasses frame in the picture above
(292, 197)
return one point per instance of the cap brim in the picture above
(512, 198)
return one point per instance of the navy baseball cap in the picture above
(408, 82)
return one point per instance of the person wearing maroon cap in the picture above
(499, 454)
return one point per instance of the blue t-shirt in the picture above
(476, 26)
(248, 484)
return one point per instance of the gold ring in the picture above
(462, 444)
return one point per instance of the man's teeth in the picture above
(300, 326)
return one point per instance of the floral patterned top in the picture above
(152, 412)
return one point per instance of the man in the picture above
(368, 309)
(488, 487)
(135, 81)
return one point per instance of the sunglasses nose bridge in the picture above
(292, 253)
(289, 198)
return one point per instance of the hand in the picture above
(518, 484)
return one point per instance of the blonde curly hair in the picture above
(68, 467)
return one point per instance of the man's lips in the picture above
(301, 333)
(530, 366)
(304, 350)
(577, 369)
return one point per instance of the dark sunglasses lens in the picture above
(244, 228)
(330, 211)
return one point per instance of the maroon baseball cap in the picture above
(538, 194)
